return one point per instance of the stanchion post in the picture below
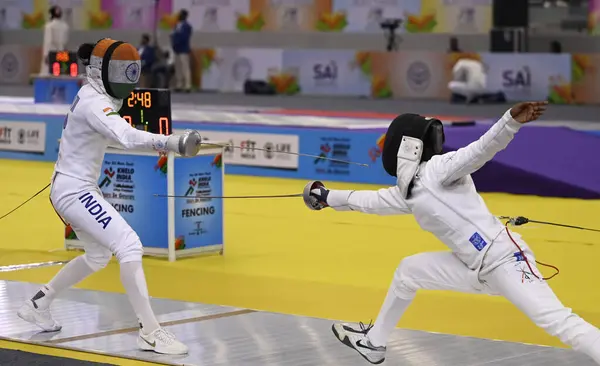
(171, 204)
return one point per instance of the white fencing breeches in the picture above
(95, 221)
(512, 280)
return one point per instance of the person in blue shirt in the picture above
(147, 56)
(180, 43)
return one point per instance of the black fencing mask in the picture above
(410, 140)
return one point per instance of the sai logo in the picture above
(520, 78)
(325, 74)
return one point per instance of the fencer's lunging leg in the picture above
(114, 235)
(432, 271)
(536, 299)
(37, 310)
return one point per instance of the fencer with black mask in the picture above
(91, 125)
(485, 256)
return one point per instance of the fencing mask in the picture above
(410, 140)
(118, 62)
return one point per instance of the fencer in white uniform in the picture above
(485, 257)
(91, 125)
(468, 79)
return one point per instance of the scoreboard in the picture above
(149, 109)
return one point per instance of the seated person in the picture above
(469, 83)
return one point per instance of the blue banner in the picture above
(357, 145)
(198, 220)
(128, 183)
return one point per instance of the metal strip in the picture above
(20, 267)
(135, 329)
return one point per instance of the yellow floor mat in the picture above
(60, 352)
(281, 257)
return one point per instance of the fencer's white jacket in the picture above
(93, 124)
(445, 202)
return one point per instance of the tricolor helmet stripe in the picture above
(124, 65)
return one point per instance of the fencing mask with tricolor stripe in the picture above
(118, 64)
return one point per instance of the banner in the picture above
(275, 144)
(585, 78)
(284, 15)
(418, 74)
(214, 16)
(198, 221)
(17, 63)
(136, 14)
(20, 14)
(453, 16)
(365, 16)
(594, 17)
(523, 76)
(326, 72)
(81, 14)
(23, 136)
(128, 183)
(227, 69)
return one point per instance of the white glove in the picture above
(186, 144)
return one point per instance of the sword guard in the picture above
(309, 200)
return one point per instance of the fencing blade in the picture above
(231, 197)
(288, 153)
(23, 203)
(520, 220)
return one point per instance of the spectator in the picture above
(180, 42)
(148, 57)
(56, 34)
(469, 80)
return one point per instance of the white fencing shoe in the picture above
(161, 341)
(30, 312)
(358, 340)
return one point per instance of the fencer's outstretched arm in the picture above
(386, 201)
(113, 127)
(467, 160)
(110, 125)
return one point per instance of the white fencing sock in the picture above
(70, 275)
(134, 281)
(391, 311)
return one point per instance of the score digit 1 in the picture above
(128, 119)
(163, 125)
